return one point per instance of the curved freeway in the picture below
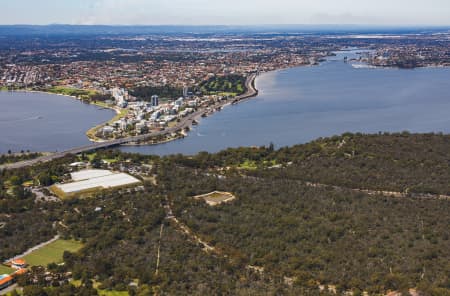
(184, 122)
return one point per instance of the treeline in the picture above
(415, 163)
(332, 236)
(403, 162)
(84, 94)
(11, 158)
(121, 247)
(230, 84)
(24, 222)
(301, 234)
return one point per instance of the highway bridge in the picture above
(184, 123)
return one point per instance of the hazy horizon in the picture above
(231, 12)
(268, 25)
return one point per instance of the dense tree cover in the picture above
(62, 290)
(11, 158)
(334, 236)
(396, 162)
(309, 234)
(100, 97)
(166, 91)
(230, 84)
(39, 281)
(23, 222)
(84, 94)
(392, 162)
(121, 246)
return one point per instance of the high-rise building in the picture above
(155, 100)
(185, 91)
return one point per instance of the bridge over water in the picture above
(184, 123)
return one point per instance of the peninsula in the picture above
(181, 125)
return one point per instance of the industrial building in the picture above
(90, 181)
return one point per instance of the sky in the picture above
(225, 12)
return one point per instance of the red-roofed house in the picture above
(18, 263)
(5, 281)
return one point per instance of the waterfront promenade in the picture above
(185, 122)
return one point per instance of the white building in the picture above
(155, 101)
(155, 115)
(93, 180)
(123, 124)
(121, 96)
(140, 126)
(179, 102)
(107, 130)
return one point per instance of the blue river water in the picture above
(300, 104)
(45, 122)
(294, 106)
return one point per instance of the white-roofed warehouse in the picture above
(90, 181)
(89, 174)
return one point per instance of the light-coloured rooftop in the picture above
(89, 174)
(91, 179)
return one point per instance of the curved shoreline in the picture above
(62, 95)
(187, 122)
(117, 110)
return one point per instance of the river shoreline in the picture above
(63, 95)
(180, 129)
(295, 107)
(117, 110)
(250, 93)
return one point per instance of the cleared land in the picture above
(216, 197)
(52, 253)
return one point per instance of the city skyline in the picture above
(232, 12)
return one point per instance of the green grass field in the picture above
(68, 91)
(5, 269)
(52, 253)
(248, 165)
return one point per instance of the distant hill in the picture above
(61, 29)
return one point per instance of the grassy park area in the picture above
(52, 253)
(224, 85)
(5, 269)
(68, 91)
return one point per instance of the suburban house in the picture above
(5, 281)
(18, 263)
